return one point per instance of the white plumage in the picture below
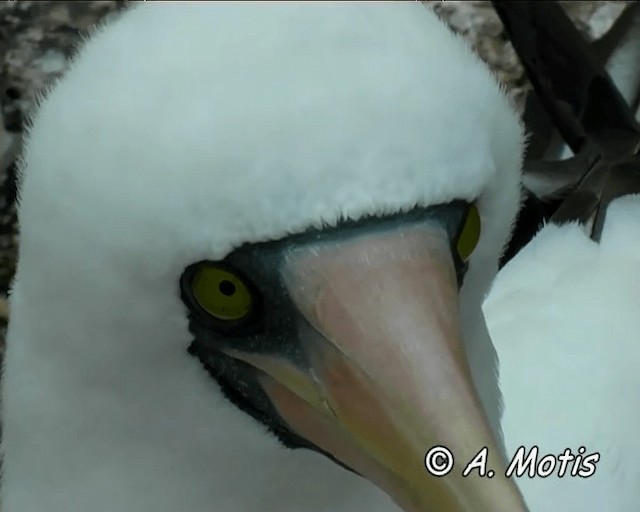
(181, 132)
(563, 316)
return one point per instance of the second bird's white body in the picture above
(564, 316)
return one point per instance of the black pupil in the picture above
(227, 288)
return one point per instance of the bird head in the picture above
(246, 227)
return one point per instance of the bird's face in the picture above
(347, 341)
(200, 137)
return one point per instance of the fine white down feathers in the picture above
(563, 316)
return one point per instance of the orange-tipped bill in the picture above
(386, 376)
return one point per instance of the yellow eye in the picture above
(221, 293)
(470, 234)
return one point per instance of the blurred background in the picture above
(37, 38)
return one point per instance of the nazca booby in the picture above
(563, 316)
(287, 194)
